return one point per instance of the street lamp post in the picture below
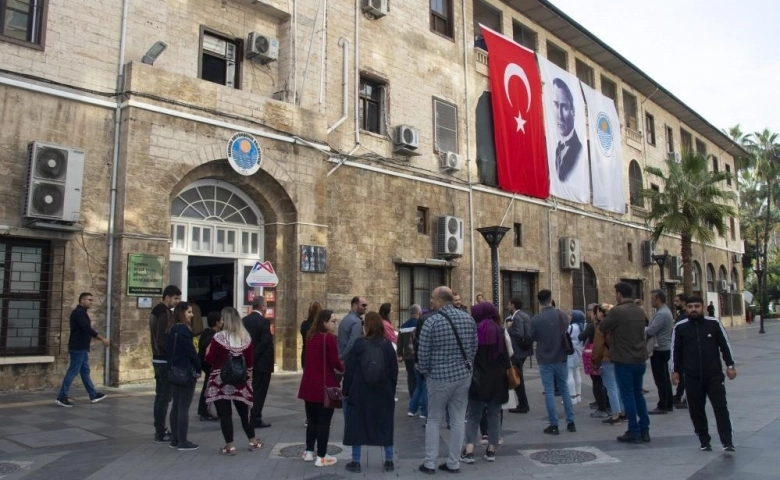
(493, 236)
(660, 259)
(760, 275)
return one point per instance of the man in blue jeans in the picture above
(547, 329)
(625, 322)
(81, 334)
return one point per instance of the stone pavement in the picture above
(113, 439)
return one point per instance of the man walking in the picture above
(158, 323)
(522, 344)
(351, 326)
(447, 347)
(406, 349)
(625, 322)
(680, 304)
(81, 335)
(547, 329)
(660, 332)
(697, 342)
(259, 329)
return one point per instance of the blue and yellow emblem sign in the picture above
(244, 154)
(604, 133)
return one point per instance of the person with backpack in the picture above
(519, 329)
(370, 379)
(230, 355)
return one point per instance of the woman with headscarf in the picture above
(574, 361)
(490, 366)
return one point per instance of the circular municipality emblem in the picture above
(604, 132)
(244, 154)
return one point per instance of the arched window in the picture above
(710, 278)
(697, 278)
(635, 185)
(584, 288)
(734, 279)
(723, 274)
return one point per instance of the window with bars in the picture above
(23, 22)
(520, 285)
(371, 105)
(31, 276)
(584, 72)
(635, 185)
(630, 110)
(415, 286)
(557, 55)
(441, 17)
(524, 36)
(445, 126)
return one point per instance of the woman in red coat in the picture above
(233, 339)
(322, 361)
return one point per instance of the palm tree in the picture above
(690, 203)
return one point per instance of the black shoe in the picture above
(518, 410)
(165, 437)
(98, 397)
(173, 444)
(729, 448)
(657, 411)
(424, 469)
(467, 458)
(262, 424)
(682, 404)
(571, 427)
(490, 455)
(389, 466)
(187, 446)
(645, 436)
(551, 430)
(354, 467)
(594, 405)
(705, 447)
(628, 438)
(209, 418)
(443, 467)
(64, 402)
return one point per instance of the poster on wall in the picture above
(145, 275)
(314, 259)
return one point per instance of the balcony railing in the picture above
(632, 134)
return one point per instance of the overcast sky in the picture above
(721, 58)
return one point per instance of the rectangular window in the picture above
(520, 285)
(609, 89)
(701, 147)
(371, 106)
(686, 142)
(445, 126)
(650, 129)
(422, 220)
(714, 165)
(629, 110)
(556, 55)
(584, 73)
(524, 36)
(669, 139)
(487, 15)
(415, 285)
(441, 17)
(518, 234)
(630, 251)
(733, 228)
(219, 59)
(728, 171)
(23, 21)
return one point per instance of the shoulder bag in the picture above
(568, 346)
(333, 396)
(180, 376)
(476, 374)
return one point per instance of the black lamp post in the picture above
(760, 275)
(660, 259)
(493, 236)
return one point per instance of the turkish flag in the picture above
(516, 91)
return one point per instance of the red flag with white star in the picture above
(516, 91)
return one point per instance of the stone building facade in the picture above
(324, 112)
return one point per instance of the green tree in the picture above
(691, 203)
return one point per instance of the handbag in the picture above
(180, 376)
(587, 360)
(332, 397)
(568, 346)
(513, 377)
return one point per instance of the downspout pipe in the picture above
(120, 80)
(344, 44)
(358, 14)
(468, 152)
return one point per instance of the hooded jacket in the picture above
(697, 344)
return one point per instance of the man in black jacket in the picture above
(519, 328)
(158, 322)
(697, 342)
(259, 329)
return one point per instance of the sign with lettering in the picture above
(145, 275)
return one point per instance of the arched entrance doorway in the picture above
(216, 237)
(584, 289)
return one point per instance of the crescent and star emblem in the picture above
(514, 70)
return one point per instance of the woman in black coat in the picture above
(181, 353)
(370, 407)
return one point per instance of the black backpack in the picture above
(234, 372)
(373, 364)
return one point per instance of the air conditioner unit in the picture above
(449, 237)
(406, 137)
(722, 285)
(54, 182)
(450, 161)
(736, 258)
(675, 266)
(377, 8)
(676, 156)
(263, 47)
(647, 253)
(570, 253)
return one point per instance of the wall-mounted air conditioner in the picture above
(647, 253)
(570, 253)
(722, 286)
(54, 182)
(449, 237)
(406, 138)
(262, 47)
(676, 156)
(736, 258)
(377, 8)
(450, 161)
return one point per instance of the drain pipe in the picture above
(120, 80)
(468, 152)
(358, 13)
(550, 245)
(344, 44)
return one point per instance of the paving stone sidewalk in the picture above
(113, 439)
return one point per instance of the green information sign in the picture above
(145, 275)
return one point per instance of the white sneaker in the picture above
(325, 461)
(409, 414)
(308, 456)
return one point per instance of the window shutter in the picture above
(445, 127)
